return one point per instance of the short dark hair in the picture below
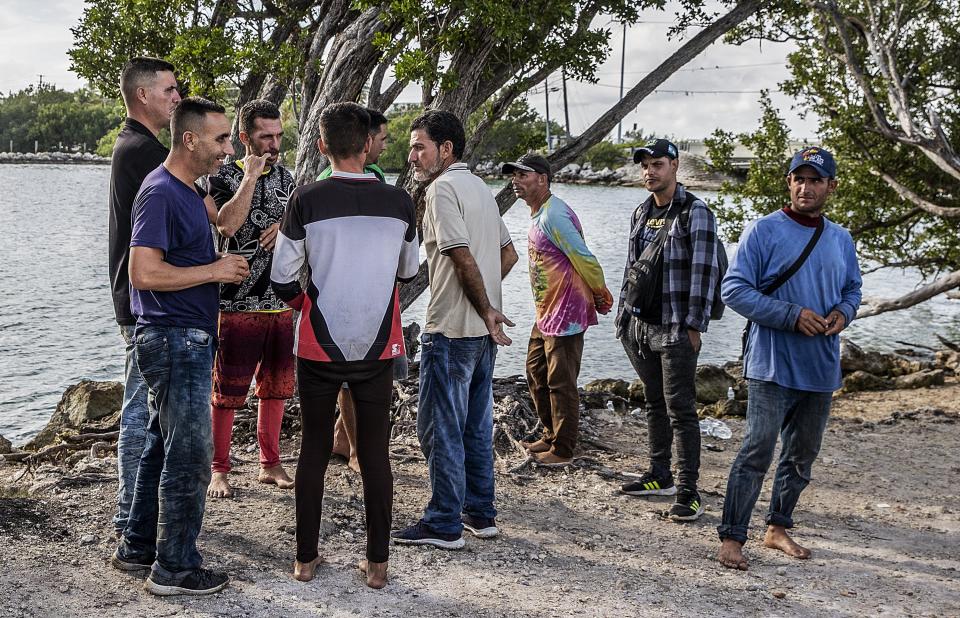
(257, 108)
(377, 119)
(188, 116)
(344, 129)
(138, 70)
(442, 126)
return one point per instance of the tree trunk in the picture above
(351, 60)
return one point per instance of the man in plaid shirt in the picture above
(661, 335)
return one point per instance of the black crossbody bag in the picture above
(779, 281)
(644, 275)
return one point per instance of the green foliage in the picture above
(606, 154)
(51, 116)
(394, 157)
(764, 190)
(520, 130)
(527, 35)
(888, 229)
(209, 60)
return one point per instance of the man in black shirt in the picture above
(256, 328)
(150, 93)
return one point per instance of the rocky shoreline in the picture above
(694, 173)
(53, 158)
(694, 170)
(87, 419)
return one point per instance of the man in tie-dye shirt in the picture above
(568, 291)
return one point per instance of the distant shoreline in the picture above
(53, 158)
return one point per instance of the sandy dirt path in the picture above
(881, 516)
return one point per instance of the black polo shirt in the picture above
(136, 153)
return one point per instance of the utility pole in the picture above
(546, 94)
(40, 85)
(566, 110)
(623, 60)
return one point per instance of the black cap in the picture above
(656, 149)
(530, 162)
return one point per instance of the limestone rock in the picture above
(712, 383)
(948, 360)
(734, 369)
(864, 381)
(854, 358)
(920, 379)
(5, 446)
(81, 403)
(608, 385)
(724, 407)
(636, 391)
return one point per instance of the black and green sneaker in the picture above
(650, 485)
(688, 506)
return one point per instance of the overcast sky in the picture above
(35, 36)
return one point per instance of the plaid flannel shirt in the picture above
(690, 266)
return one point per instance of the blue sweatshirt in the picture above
(828, 280)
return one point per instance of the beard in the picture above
(426, 174)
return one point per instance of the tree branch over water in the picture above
(877, 306)
(603, 125)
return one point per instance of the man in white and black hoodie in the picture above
(357, 237)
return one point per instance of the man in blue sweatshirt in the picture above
(792, 359)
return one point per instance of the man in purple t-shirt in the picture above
(174, 272)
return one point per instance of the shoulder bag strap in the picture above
(779, 281)
(785, 275)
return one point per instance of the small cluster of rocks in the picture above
(863, 371)
(694, 171)
(902, 369)
(91, 410)
(51, 157)
(714, 384)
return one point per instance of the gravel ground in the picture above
(881, 518)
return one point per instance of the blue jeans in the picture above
(170, 496)
(455, 427)
(133, 430)
(800, 418)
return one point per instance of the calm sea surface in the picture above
(56, 317)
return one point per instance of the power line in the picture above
(705, 68)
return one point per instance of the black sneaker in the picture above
(201, 581)
(421, 534)
(480, 527)
(130, 564)
(688, 506)
(650, 485)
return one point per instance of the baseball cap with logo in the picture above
(656, 149)
(819, 159)
(530, 162)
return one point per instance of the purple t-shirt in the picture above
(170, 216)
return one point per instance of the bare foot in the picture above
(304, 571)
(551, 460)
(731, 555)
(376, 573)
(341, 446)
(354, 463)
(777, 538)
(536, 447)
(275, 476)
(219, 487)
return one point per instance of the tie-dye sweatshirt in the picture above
(564, 274)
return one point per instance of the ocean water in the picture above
(57, 325)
